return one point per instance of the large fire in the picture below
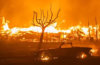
(51, 29)
(5, 25)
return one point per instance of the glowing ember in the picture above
(94, 52)
(83, 56)
(46, 58)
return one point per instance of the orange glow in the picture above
(94, 52)
(49, 29)
(46, 58)
(83, 56)
(5, 24)
(85, 30)
(52, 29)
(5, 27)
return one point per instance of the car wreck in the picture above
(69, 54)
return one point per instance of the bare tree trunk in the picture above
(42, 35)
(41, 39)
(44, 21)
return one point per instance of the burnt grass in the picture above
(21, 53)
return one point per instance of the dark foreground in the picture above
(22, 54)
(29, 61)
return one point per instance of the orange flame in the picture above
(5, 24)
(50, 29)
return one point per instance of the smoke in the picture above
(73, 12)
(20, 12)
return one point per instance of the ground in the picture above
(22, 53)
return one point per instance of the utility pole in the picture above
(96, 28)
(89, 30)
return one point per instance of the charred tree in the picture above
(43, 21)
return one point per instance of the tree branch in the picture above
(43, 21)
(53, 21)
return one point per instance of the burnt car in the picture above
(63, 54)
